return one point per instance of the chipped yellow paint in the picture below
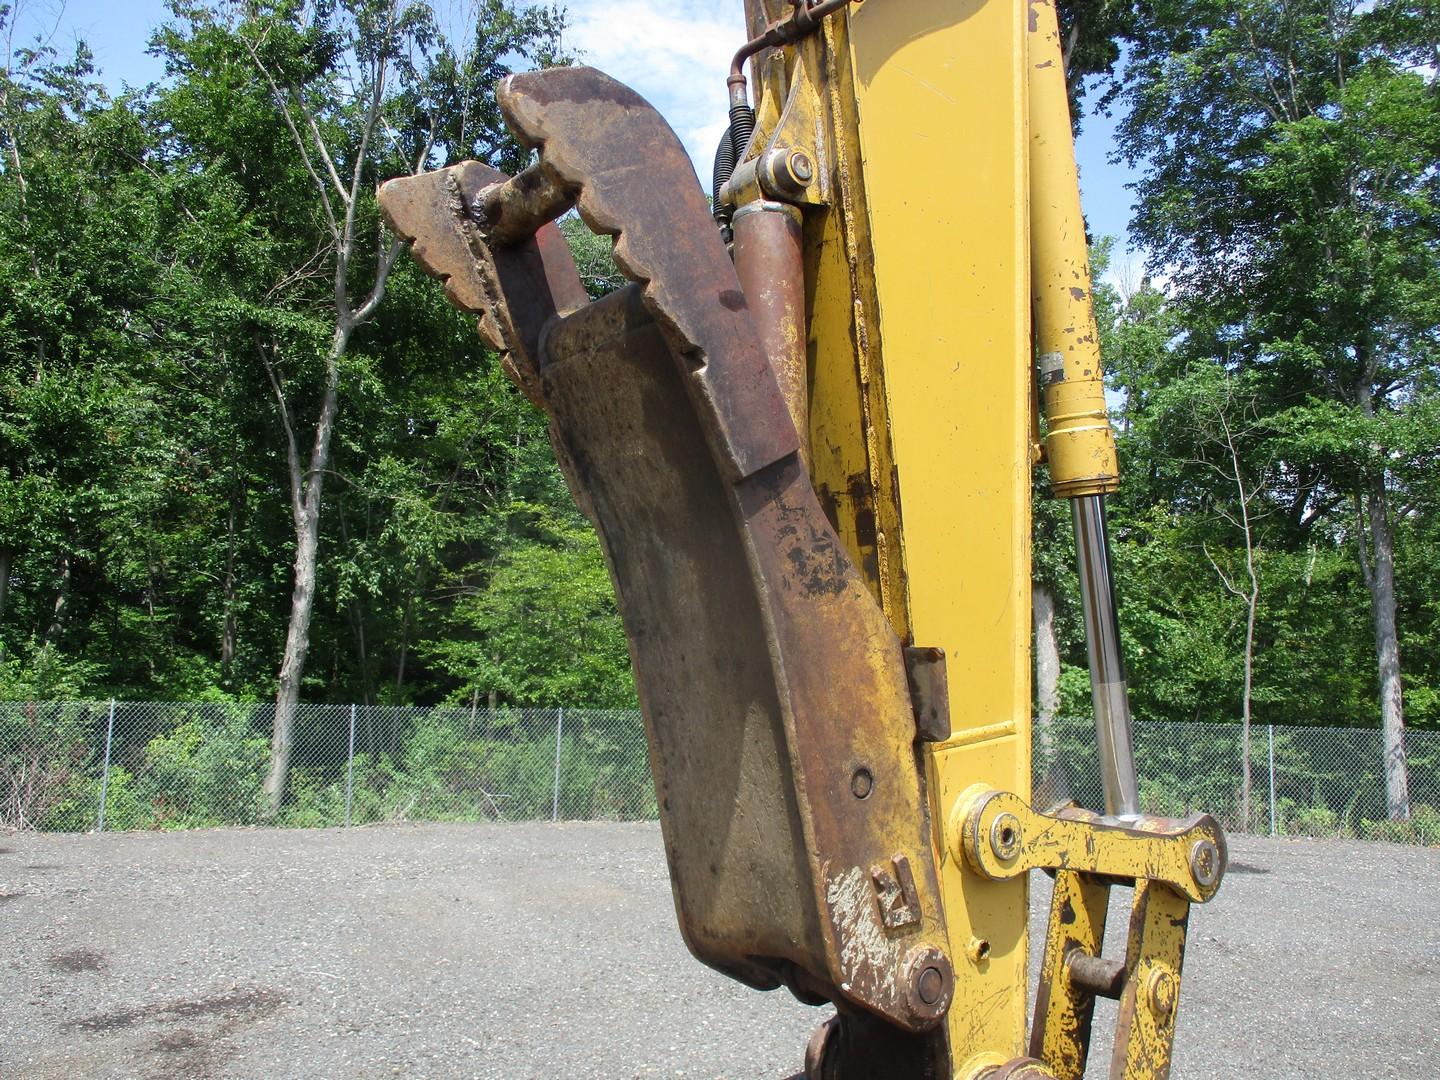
(1061, 1037)
(1172, 863)
(1145, 1032)
(1159, 849)
(922, 412)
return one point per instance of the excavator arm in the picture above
(805, 439)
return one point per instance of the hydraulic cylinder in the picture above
(1079, 444)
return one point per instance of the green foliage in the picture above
(538, 625)
(1422, 828)
(164, 254)
(1317, 821)
(594, 257)
(49, 765)
(202, 766)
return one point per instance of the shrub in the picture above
(1422, 828)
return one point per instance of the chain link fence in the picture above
(76, 766)
(1303, 781)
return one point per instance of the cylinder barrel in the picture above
(1079, 446)
(769, 260)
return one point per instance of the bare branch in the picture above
(320, 146)
(292, 453)
(1225, 579)
(279, 98)
(382, 275)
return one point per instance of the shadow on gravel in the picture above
(248, 1004)
(79, 960)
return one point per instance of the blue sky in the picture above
(674, 52)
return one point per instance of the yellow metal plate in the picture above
(940, 94)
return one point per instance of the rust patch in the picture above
(760, 656)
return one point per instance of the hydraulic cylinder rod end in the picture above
(1108, 689)
(1079, 445)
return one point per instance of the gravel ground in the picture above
(550, 951)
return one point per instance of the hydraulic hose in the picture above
(720, 174)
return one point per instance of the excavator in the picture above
(806, 434)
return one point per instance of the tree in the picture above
(1214, 415)
(1090, 35)
(537, 625)
(94, 479)
(1290, 193)
(354, 92)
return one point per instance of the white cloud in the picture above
(674, 53)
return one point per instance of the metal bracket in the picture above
(929, 692)
(999, 835)
(793, 162)
(1170, 863)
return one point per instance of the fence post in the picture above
(105, 773)
(350, 768)
(559, 742)
(1272, 779)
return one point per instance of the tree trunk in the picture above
(1252, 607)
(228, 631)
(305, 493)
(357, 627)
(1380, 578)
(1246, 781)
(1047, 671)
(292, 665)
(404, 650)
(5, 556)
(62, 600)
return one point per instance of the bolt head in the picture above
(1161, 990)
(1205, 863)
(1005, 836)
(801, 167)
(929, 983)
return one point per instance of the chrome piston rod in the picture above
(1108, 688)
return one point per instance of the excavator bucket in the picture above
(780, 719)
